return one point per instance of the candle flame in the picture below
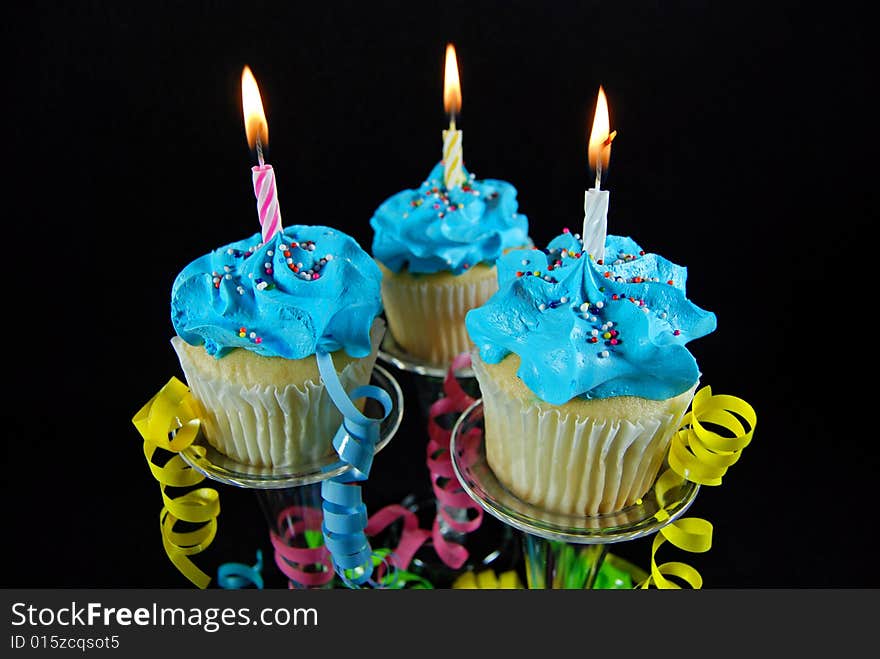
(255, 126)
(451, 84)
(599, 150)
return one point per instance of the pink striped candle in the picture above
(267, 201)
(257, 131)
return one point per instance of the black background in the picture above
(744, 151)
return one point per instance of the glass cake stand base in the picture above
(294, 516)
(556, 546)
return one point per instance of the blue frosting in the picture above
(592, 330)
(323, 293)
(432, 229)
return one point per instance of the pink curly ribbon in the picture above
(443, 480)
(411, 538)
(294, 561)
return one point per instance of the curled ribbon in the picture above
(691, 534)
(411, 538)
(305, 567)
(169, 422)
(576, 563)
(238, 575)
(612, 577)
(345, 515)
(487, 579)
(312, 566)
(394, 578)
(448, 491)
(701, 456)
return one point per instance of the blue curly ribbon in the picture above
(238, 575)
(345, 515)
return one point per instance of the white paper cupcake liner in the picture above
(291, 426)
(569, 464)
(426, 318)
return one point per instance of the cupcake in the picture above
(436, 248)
(249, 318)
(584, 373)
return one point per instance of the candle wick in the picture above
(598, 174)
(260, 153)
(451, 121)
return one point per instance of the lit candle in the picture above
(595, 199)
(257, 131)
(453, 161)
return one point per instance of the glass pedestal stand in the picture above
(561, 551)
(492, 543)
(294, 518)
(291, 499)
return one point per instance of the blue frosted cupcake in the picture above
(437, 249)
(584, 372)
(249, 318)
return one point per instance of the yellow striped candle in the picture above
(453, 158)
(453, 176)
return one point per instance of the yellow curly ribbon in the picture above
(701, 456)
(691, 534)
(487, 579)
(170, 421)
